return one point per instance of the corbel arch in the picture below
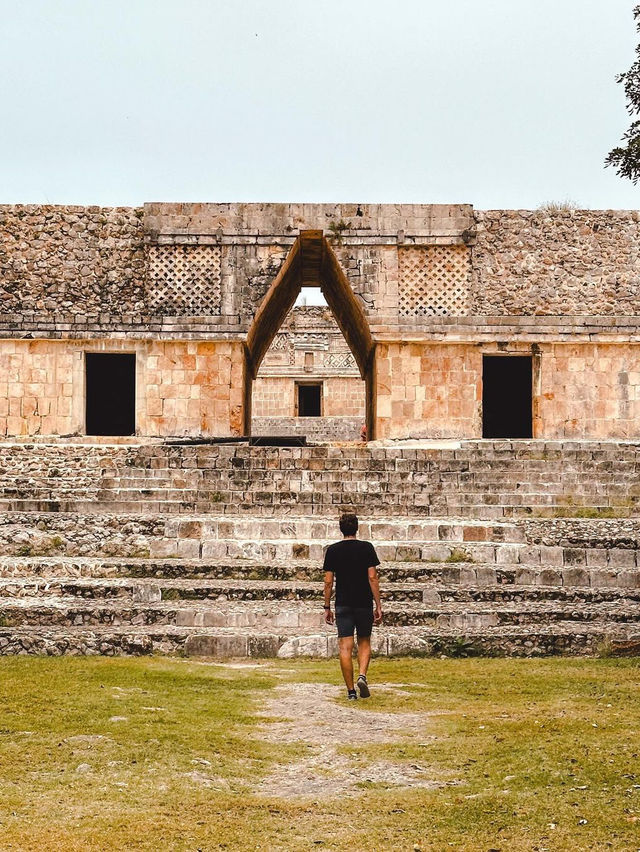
(311, 262)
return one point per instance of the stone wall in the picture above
(123, 268)
(582, 390)
(342, 396)
(182, 387)
(440, 286)
(315, 429)
(576, 263)
(428, 390)
(78, 261)
(589, 390)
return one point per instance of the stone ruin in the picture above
(493, 356)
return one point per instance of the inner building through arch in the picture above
(310, 353)
(309, 383)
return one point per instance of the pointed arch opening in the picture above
(311, 262)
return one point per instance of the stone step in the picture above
(155, 590)
(469, 479)
(277, 614)
(415, 551)
(446, 573)
(373, 506)
(573, 638)
(206, 528)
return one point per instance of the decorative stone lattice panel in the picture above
(340, 360)
(434, 281)
(184, 280)
(280, 343)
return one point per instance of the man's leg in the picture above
(364, 654)
(345, 644)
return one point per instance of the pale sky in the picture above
(498, 103)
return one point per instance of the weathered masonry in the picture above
(309, 383)
(461, 324)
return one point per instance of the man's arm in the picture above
(375, 589)
(328, 588)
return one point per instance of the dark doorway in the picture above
(309, 400)
(111, 394)
(507, 396)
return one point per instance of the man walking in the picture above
(353, 564)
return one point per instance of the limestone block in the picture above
(216, 646)
(575, 577)
(160, 548)
(422, 532)
(188, 549)
(525, 576)
(263, 646)
(408, 553)
(316, 552)
(602, 578)
(190, 529)
(507, 554)
(292, 618)
(552, 557)
(629, 579)
(304, 646)
(486, 576)
(468, 575)
(574, 556)
(215, 618)
(403, 644)
(550, 577)
(619, 558)
(186, 618)
(146, 593)
(597, 557)
(435, 552)
(214, 549)
(530, 555)
(449, 532)
(307, 618)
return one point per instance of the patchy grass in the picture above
(459, 554)
(105, 754)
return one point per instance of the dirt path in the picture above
(308, 713)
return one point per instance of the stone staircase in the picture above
(93, 561)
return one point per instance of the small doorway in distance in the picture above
(110, 393)
(308, 399)
(507, 396)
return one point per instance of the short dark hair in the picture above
(348, 523)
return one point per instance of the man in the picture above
(353, 564)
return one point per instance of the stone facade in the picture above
(309, 348)
(569, 263)
(182, 387)
(436, 287)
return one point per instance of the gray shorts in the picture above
(349, 618)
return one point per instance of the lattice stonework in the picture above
(184, 280)
(434, 281)
(340, 360)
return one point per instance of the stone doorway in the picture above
(110, 393)
(309, 399)
(311, 262)
(507, 396)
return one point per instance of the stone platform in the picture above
(217, 550)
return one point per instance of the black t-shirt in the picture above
(350, 561)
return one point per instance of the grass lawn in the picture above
(162, 753)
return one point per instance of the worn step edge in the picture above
(227, 643)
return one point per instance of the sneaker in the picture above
(352, 695)
(362, 685)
